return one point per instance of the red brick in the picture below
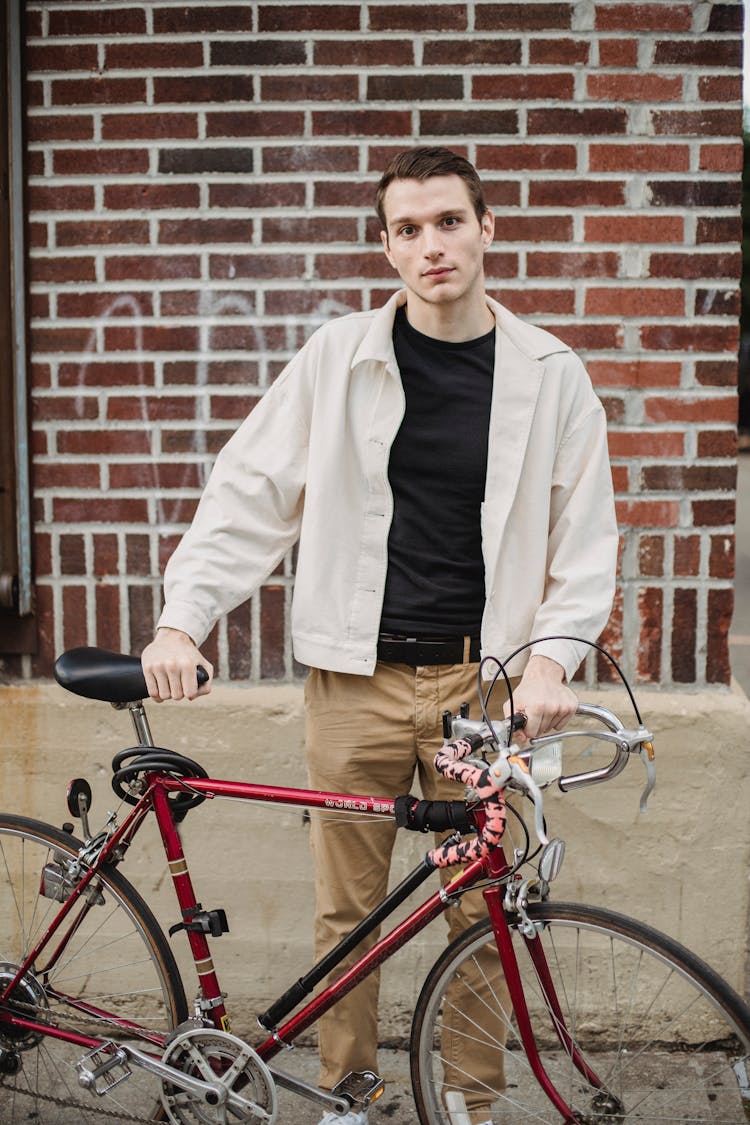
(618, 52)
(150, 337)
(264, 195)
(361, 123)
(151, 267)
(60, 339)
(557, 52)
(74, 616)
(719, 612)
(255, 123)
(106, 373)
(698, 123)
(303, 302)
(526, 301)
(106, 555)
(542, 228)
(713, 513)
(96, 23)
(344, 193)
(693, 409)
(648, 513)
(108, 617)
(140, 616)
(336, 265)
(149, 126)
(611, 641)
(51, 57)
(647, 157)
(634, 87)
(100, 162)
(98, 91)
(687, 555)
(415, 17)
(138, 554)
(103, 442)
(42, 554)
(256, 267)
(650, 612)
(501, 194)
(698, 51)
(716, 372)
(634, 302)
(646, 443)
(721, 559)
(524, 17)
(684, 624)
(311, 158)
(153, 477)
(143, 407)
(204, 232)
(575, 265)
(580, 122)
(309, 88)
(66, 197)
(471, 52)
(692, 266)
(651, 556)
(190, 19)
(621, 478)
(232, 406)
(110, 510)
(148, 55)
(533, 157)
(500, 265)
(72, 554)
(646, 17)
(717, 302)
(577, 193)
(688, 478)
(313, 17)
(103, 232)
(589, 336)
(522, 87)
(205, 88)
(459, 123)
(634, 228)
(365, 52)
(71, 409)
(695, 193)
(323, 229)
(137, 197)
(717, 443)
(721, 157)
(723, 88)
(239, 641)
(71, 127)
(635, 373)
(691, 337)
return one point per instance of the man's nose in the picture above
(432, 243)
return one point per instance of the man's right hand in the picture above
(169, 666)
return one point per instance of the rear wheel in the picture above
(109, 964)
(665, 1038)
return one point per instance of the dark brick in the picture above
(684, 623)
(195, 161)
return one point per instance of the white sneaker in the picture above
(350, 1118)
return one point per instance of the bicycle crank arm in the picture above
(312, 1093)
(211, 1093)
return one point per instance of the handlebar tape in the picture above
(431, 816)
(449, 763)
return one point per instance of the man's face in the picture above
(434, 239)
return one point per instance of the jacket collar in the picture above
(530, 341)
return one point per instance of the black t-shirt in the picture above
(437, 470)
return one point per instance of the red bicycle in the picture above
(543, 1011)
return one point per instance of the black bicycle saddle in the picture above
(112, 677)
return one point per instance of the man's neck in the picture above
(452, 322)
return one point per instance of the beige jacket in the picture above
(310, 463)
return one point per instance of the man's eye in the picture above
(407, 232)
(450, 221)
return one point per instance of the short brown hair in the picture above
(422, 163)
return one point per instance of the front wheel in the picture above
(107, 973)
(649, 1032)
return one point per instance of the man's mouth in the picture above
(438, 271)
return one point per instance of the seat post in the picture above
(140, 721)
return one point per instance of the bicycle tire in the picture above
(668, 1038)
(116, 959)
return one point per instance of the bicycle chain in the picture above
(85, 1107)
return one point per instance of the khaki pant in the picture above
(370, 735)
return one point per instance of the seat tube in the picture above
(210, 1000)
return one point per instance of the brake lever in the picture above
(509, 770)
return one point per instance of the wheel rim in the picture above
(663, 1046)
(110, 963)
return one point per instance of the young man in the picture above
(444, 468)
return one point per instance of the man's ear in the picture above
(488, 228)
(387, 247)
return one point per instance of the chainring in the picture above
(217, 1056)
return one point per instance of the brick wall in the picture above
(200, 182)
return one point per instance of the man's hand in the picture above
(169, 665)
(544, 697)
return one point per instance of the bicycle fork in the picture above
(494, 896)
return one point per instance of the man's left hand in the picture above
(544, 697)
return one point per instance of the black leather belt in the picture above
(414, 651)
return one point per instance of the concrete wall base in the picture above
(683, 866)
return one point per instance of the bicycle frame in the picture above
(283, 1031)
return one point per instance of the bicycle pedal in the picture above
(101, 1070)
(360, 1087)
